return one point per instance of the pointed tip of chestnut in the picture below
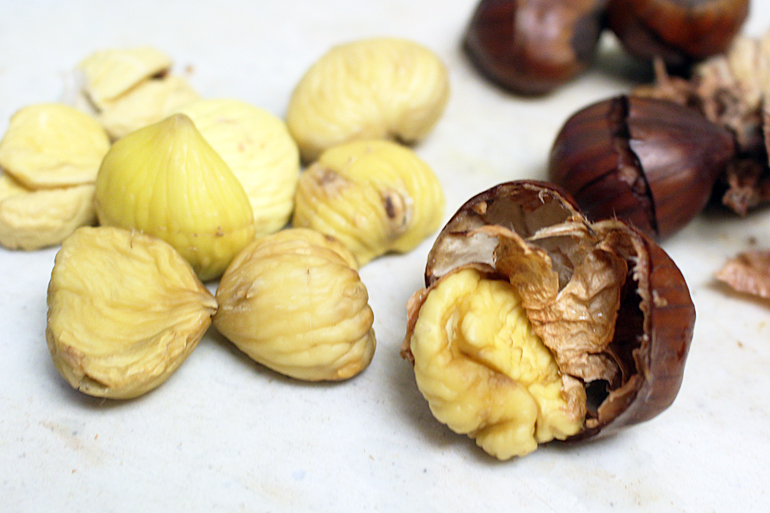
(681, 33)
(533, 47)
(649, 162)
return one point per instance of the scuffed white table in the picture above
(224, 434)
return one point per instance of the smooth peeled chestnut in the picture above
(680, 32)
(650, 162)
(607, 302)
(533, 46)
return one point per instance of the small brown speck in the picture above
(390, 209)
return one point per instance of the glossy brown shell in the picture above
(678, 31)
(650, 162)
(533, 46)
(656, 317)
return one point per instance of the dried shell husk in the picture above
(748, 273)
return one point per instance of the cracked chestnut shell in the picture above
(532, 235)
(680, 32)
(650, 162)
(533, 46)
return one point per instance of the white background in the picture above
(224, 434)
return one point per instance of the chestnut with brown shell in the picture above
(647, 161)
(678, 31)
(533, 46)
(610, 305)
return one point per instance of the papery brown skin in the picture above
(745, 184)
(748, 273)
(649, 162)
(533, 46)
(656, 316)
(681, 32)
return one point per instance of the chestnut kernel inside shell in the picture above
(650, 162)
(608, 303)
(532, 46)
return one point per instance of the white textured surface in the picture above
(226, 435)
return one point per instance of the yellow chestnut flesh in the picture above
(49, 158)
(374, 196)
(167, 181)
(124, 311)
(259, 150)
(522, 290)
(379, 88)
(293, 301)
(129, 88)
(483, 370)
(52, 145)
(33, 219)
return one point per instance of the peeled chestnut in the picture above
(650, 162)
(537, 325)
(680, 32)
(533, 46)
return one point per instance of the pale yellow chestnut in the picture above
(108, 74)
(33, 219)
(129, 88)
(166, 180)
(124, 311)
(49, 158)
(293, 302)
(53, 145)
(374, 196)
(379, 88)
(147, 103)
(260, 151)
(483, 369)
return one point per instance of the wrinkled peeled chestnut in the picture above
(680, 32)
(650, 162)
(533, 46)
(537, 325)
